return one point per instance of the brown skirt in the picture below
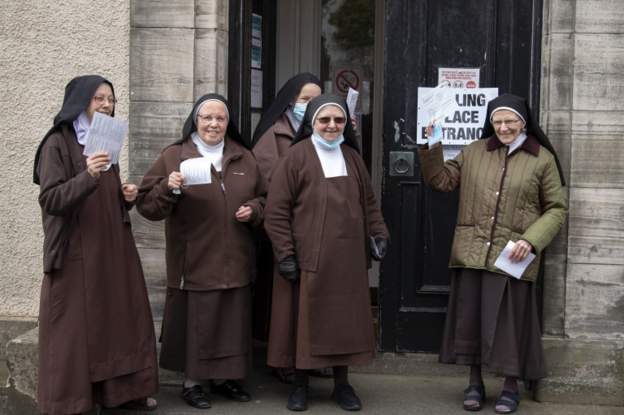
(325, 319)
(207, 334)
(65, 384)
(290, 344)
(492, 320)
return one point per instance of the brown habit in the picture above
(272, 145)
(96, 335)
(268, 150)
(210, 256)
(325, 319)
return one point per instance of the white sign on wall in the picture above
(462, 122)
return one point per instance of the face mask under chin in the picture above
(328, 144)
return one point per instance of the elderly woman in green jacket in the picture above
(511, 189)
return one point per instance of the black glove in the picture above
(379, 246)
(289, 269)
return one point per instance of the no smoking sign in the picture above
(346, 79)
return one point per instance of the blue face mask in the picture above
(299, 110)
(328, 144)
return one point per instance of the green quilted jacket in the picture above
(502, 198)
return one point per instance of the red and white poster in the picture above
(459, 77)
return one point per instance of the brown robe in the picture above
(324, 319)
(96, 335)
(210, 260)
(493, 321)
(207, 248)
(270, 147)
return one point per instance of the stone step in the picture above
(380, 394)
(602, 383)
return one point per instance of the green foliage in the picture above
(355, 24)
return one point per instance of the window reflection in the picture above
(347, 57)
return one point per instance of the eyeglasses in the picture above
(499, 123)
(210, 118)
(327, 120)
(100, 99)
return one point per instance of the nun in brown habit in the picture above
(324, 224)
(272, 137)
(96, 335)
(279, 124)
(206, 332)
(510, 185)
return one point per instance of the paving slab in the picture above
(380, 394)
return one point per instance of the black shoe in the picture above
(231, 390)
(346, 398)
(322, 373)
(284, 374)
(196, 397)
(298, 399)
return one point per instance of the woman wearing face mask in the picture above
(206, 331)
(325, 225)
(510, 185)
(282, 119)
(96, 335)
(273, 136)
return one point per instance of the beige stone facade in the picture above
(178, 52)
(43, 45)
(583, 113)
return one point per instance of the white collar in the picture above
(517, 142)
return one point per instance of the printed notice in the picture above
(460, 113)
(515, 269)
(436, 102)
(352, 97)
(256, 89)
(459, 77)
(106, 134)
(196, 171)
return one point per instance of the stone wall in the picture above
(583, 112)
(178, 52)
(45, 44)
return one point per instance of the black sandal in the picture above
(509, 400)
(474, 393)
(196, 397)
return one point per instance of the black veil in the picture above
(78, 94)
(284, 98)
(520, 106)
(190, 125)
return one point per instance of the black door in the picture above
(502, 38)
(251, 61)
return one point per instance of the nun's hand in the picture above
(96, 162)
(176, 179)
(429, 130)
(354, 123)
(520, 251)
(433, 133)
(130, 192)
(243, 214)
(379, 247)
(289, 269)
